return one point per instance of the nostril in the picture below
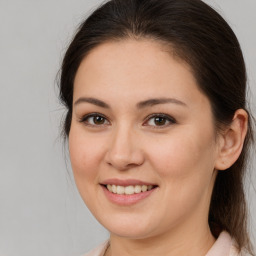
(124, 161)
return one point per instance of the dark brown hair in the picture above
(198, 35)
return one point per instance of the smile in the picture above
(128, 190)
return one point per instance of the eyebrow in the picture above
(93, 101)
(152, 102)
(142, 104)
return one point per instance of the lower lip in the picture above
(126, 199)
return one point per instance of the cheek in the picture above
(185, 169)
(187, 152)
(85, 154)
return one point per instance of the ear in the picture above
(231, 141)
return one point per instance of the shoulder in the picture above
(234, 251)
(225, 246)
(99, 250)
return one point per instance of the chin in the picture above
(129, 229)
(132, 233)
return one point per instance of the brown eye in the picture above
(159, 120)
(98, 120)
(94, 120)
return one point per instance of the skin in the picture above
(180, 157)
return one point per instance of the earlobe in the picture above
(232, 140)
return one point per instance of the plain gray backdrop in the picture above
(41, 212)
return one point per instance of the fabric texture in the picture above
(224, 246)
(99, 250)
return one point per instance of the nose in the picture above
(124, 150)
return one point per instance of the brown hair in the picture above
(200, 36)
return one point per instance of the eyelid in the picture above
(166, 116)
(169, 118)
(87, 116)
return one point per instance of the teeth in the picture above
(137, 189)
(113, 188)
(120, 190)
(144, 188)
(128, 190)
(149, 187)
(109, 188)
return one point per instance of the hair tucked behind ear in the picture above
(200, 36)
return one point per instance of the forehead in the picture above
(133, 53)
(134, 68)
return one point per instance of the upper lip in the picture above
(127, 182)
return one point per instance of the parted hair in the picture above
(198, 35)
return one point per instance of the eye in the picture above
(94, 119)
(159, 120)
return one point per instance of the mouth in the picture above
(128, 190)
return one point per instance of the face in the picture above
(142, 140)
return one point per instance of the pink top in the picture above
(224, 246)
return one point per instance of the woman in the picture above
(158, 128)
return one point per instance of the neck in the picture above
(193, 243)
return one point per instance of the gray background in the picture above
(41, 212)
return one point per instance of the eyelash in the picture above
(85, 118)
(166, 118)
